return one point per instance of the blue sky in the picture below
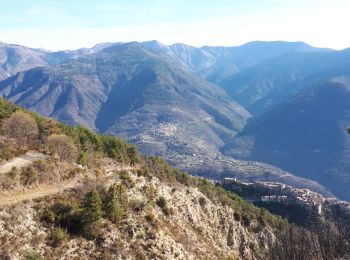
(82, 23)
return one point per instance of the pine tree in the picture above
(92, 208)
(114, 206)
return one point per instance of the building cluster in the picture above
(281, 193)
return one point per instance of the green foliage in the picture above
(115, 203)
(237, 216)
(125, 177)
(11, 178)
(92, 210)
(64, 214)
(162, 203)
(88, 141)
(58, 237)
(83, 159)
(29, 175)
(246, 220)
(33, 256)
(133, 154)
(6, 108)
(85, 140)
(48, 215)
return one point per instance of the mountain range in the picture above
(305, 135)
(206, 110)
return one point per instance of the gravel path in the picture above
(43, 191)
(21, 161)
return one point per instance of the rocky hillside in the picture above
(121, 205)
(155, 211)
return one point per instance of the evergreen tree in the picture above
(92, 208)
(114, 203)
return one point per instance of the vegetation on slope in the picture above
(34, 131)
(101, 208)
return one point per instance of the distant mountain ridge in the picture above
(164, 98)
(306, 135)
(261, 87)
(16, 58)
(133, 92)
(211, 63)
(148, 98)
(215, 64)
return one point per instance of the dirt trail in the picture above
(8, 199)
(21, 161)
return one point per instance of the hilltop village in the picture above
(282, 193)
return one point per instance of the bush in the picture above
(246, 220)
(64, 214)
(237, 216)
(162, 203)
(126, 179)
(48, 216)
(6, 108)
(58, 237)
(11, 178)
(33, 256)
(21, 126)
(83, 159)
(202, 201)
(9, 148)
(63, 146)
(29, 175)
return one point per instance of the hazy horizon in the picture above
(200, 46)
(57, 25)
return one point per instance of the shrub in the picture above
(133, 154)
(33, 256)
(202, 202)
(11, 178)
(58, 236)
(21, 126)
(246, 220)
(64, 214)
(162, 203)
(63, 146)
(9, 148)
(6, 108)
(137, 205)
(125, 177)
(83, 159)
(48, 216)
(29, 175)
(237, 216)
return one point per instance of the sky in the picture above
(72, 24)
